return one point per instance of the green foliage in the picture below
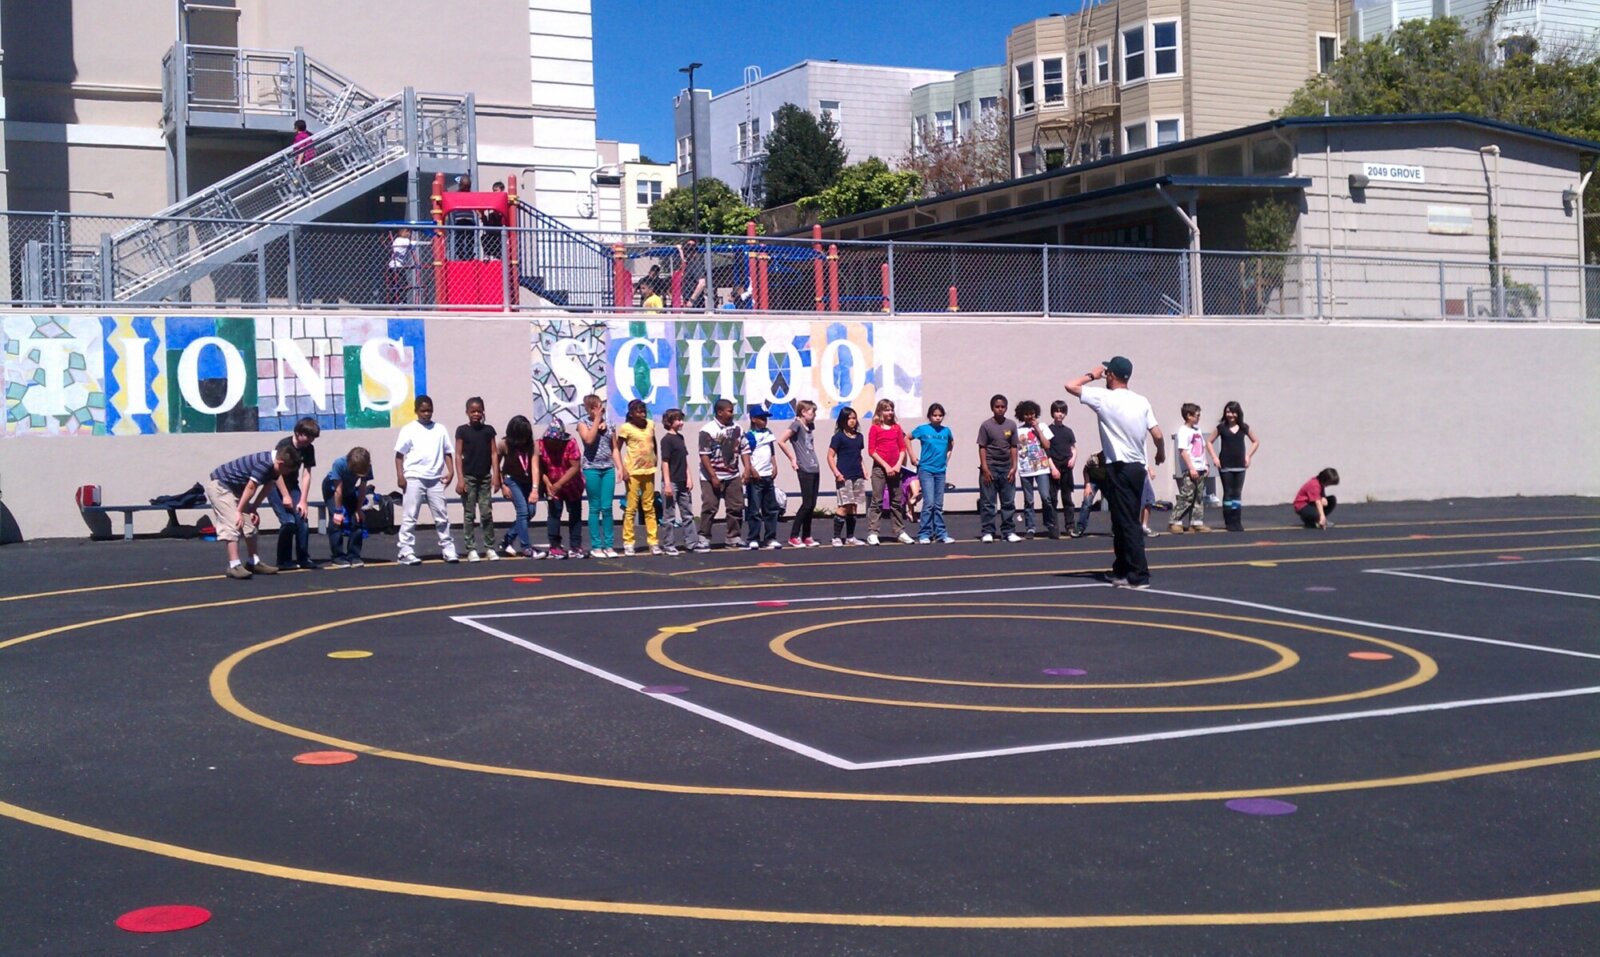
(804, 155)
(1269, 227)
(722, 213)
(1438, 66)
(863, 187)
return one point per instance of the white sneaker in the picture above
(669, 550)
(627, 551)
(855, 541)
(837, 543)
(472, 554)
(409, 560)
(1013, 537)
(987, 537)
(947, 540)
(924, 541)
(753, 546)
(872, 539)
(774, 545)
(906, 539)
(492, 555)
(511, 551)
(655, 550)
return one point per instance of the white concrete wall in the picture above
(1403, 411)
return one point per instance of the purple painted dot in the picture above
(1066, 672)
(664, 689)
(1321, 588)
(1261, 807)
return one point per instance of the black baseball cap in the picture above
(1119, 366)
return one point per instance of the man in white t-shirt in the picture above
(1125, 420)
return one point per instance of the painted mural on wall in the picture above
(136, 375)
(690, 363)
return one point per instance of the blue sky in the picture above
(639, 46)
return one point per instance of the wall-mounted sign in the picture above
(1389, 173)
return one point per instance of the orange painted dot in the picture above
(527, 581)
(1509, 558)
(1371, 655)
(769, 564)
(1421, 536)
(324, 757)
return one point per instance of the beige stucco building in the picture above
(1126, 75)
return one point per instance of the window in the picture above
(1083, 68)
(647, 191)
(944, 121)
(685, 155)
(1327, 51)
(1102, 146)
(1027, 164)
(1133, 55)
(1025, 88)
(963, 118)
(830, 108)
(988, 104)
(755, 136)
(1135, 138)
(1055, 158)
(1168, 132)
(744, 140)
(1164, 44)
(1102, 63)
(1054, 86)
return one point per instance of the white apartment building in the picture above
(871, 106)
(1556, 24)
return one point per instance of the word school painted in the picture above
(690, 363)
(136, 375)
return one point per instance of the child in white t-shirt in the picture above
(424, 466)
(1189, 508)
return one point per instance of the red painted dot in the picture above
(1266, 543)
(166, 917)
(769, 564)
(527, 581)
(324, 757)
(1421, 536)
(1509, 558)
(958, 556)
(772, 604)
(1371, 655)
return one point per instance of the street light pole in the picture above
(694, 164)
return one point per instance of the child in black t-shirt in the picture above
(677, 492)
(290, 497)
(1064, 453)
(478, 479)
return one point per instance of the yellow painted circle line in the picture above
(1264, 564)
(645, 909)
(1426, 669)
(349, 655)
(780, 647)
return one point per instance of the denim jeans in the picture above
(294, 532)
(1002, 493)
(552, 522)
(344, 537)
(1045, 487)
(519, 527)
(679, 516)
(760, 511)
(932, 524)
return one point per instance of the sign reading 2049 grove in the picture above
(1390, 173)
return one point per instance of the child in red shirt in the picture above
(886, 444)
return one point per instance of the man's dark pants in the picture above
(1123, 492)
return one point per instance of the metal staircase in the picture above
(159, 257)
(559, 264)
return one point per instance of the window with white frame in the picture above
(685, 155)
(1164, 48)
(1168, 131)
(1102, 63)
(1133, 55)
(1135, 137)
(1024, 87)
(830, 108)
(744, 140)
(988, 104)
(963, 118)
(1082, 63)
(1027, 163)
(1327, 51)
(1055, 87)
(755, 135)
(647, 192)
(944, 121)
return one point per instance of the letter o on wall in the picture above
(189, 374)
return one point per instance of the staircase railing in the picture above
(245, 80)
(560, 264)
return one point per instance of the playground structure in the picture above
(475, 243)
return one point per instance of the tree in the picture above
(1438, 66)
(804, 155)
(863, 187)
(722, 213)
(981, 156)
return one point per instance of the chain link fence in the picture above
(539, 264)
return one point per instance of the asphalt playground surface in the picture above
(1381, 738)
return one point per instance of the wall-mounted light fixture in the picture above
(1569, 199)
(1359, 182)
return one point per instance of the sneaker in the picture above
(656, 550)
(700, 548)
(1142, 586)
(472, 555)
(558, 552)
(262, 568)
(986, 537)
(612, 553)
(855, 541)
(796, 543)
(774, 545)
(451, 559)
(1076, 532)
(736, 543)
(354, 561)
(837, 543)
(1171, 530)
(1030, 534)
(580, 553)
(753, 546)
(1198, 527)
(1117, 581)
(671, 550)
(408, 560)
(339, 561)
(811, 543)
(1013, 537)
(627, 551)
(240, 572)
(905, 538)
(1150, 534)
(872, 538)
(924, 541)
(947, 540)
(531, 552)
(492, 555)
(511, 551)
(309, 565)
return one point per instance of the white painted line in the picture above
(1478, 584)
(1377, 624)
(1495, 564)
(717, 716)
(1226, 729)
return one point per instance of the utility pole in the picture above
(694, 164)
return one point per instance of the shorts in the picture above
(225, 512)
(853, 492)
